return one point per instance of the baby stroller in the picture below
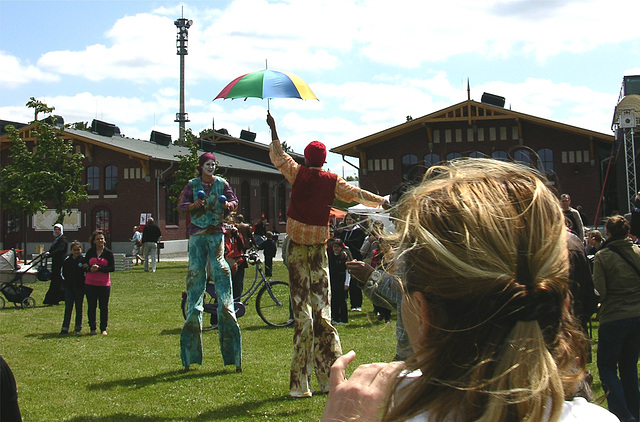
(13, 276)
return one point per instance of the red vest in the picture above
(312, 196)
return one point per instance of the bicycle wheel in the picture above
(273, 304)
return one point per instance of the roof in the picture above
(222, 138)
(150, 151)
(469, 111)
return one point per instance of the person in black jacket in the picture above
(150, 236)
(9, 408)
(73, 279)
(57, 252)
(353, 237)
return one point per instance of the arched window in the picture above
(476, 154)
(522, 156)
(499, 155)
(431, 160)
(93, 179)
(264, 200)
(545, 161)
(453, 156)
(110, 178)
(409, 162)
(245, 201)
(102, 221)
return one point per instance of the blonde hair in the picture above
(484, 242)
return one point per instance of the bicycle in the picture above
(272, 302)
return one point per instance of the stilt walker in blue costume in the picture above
(207, 198)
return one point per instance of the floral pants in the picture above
(203, 248)
(316, 344)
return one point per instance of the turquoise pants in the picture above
(203, 248)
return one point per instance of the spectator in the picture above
(482, 255)
(353, 236)
(9, 408)
(616, 274)
(136, 239)
(98, 263)
(57, 252)
(339, 279)
(270, 248)
(73, 278)
(572, 215)
(150, 236)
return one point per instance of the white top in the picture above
(578, 409)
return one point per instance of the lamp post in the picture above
(183, 26)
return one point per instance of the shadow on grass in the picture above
(242, 409)
(166, 377)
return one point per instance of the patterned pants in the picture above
(202, 248)
(315, 341)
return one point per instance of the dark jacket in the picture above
(73, 273)
(151, 233)
(616, 280)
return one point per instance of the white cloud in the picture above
(15, 73)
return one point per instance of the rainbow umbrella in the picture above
(267, 84)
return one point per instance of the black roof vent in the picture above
(104, 128)
(222, 131)
(160, 138)
(207, 146)
(494, 100)
(59, 121)
(247, 135)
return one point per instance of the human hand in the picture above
(360, 270)
(386, 204)
(94, 268)
(270, 120)
(346, 288)
(362, 395)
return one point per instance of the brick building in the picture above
(574, 159)
(128, 178)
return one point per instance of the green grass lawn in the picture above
(135, 372)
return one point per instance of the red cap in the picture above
(315, 153)
(206, 157)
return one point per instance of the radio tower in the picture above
(183, 26)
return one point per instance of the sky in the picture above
(370, 63)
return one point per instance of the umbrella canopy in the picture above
(267, 83)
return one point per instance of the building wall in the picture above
(575, 165)
(135, 194)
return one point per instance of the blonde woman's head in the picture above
(481, 250)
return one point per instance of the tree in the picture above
(50, 173)
(187, 167)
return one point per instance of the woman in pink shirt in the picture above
(98, 263)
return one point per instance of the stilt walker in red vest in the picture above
(316, 344)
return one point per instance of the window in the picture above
(499, 155)
(470, 134)
(492, 133)
(245, 201)
(110, 178)
(409, 162)
(282, 203)
(93, 179)
(545, 161)
(431, 160)
(264, 201)
(476, 154)
(390, 166)
(503, 133)
(453, 156)
(522, 156)
(171, 208)
(458, 135)
(447, 135)
(436, 136)
(102, 221)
